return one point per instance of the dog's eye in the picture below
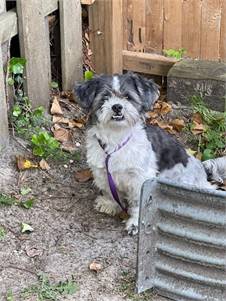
(127, 96)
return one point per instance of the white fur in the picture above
(133, 163)
(116, 83)
(216, 168)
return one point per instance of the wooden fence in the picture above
(149, 26)
(29, 20)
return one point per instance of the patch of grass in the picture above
(7, 200)
(2, 233)
(176, 53)
(31, 123)
(9, 296)
(127, 288)
(44, 290)
(211, 143)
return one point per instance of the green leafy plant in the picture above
(7, 200)
(212, 141)
(2, 233)
(88, 75)
(44, 290)
(176, 53)
(31, 123)
(9, 296)
(54, 85)
(44, 145)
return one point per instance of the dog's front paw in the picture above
(106, 206)
(132, 226)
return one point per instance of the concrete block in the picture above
(194, 77)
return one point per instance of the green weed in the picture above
(44, 290)
(127, 287)
(176, 53)
(212, 141)
(32, 123)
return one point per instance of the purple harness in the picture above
(111, 182)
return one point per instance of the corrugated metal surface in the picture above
(182, 242)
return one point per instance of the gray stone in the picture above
(206, 78)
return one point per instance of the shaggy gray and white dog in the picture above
(117, 105)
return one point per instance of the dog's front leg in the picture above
(134, 201)
(105, 204)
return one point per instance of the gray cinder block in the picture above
(194, 77)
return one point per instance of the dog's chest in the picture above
(135, 159)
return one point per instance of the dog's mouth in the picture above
(118, 117)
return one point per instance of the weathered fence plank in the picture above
(223, 33)
(71, 42)
(191, 27)
(8, 26)
(34, 45)
(172, 24)
(49, 6)
(4, 132)
(210, 29)
(147, 62)
(154, 26)
(106, 35)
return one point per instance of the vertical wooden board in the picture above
(154, 26)
(223, 32)
(138, 25)
(34, 44)
(106, 35)
(129, 20)
(97, 35)
(172, 37)
(71, 42)
(116, 28)
(125, 23)
(210, 29)
(4, 134)
(191, 30)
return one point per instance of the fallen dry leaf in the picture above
(162, 107)
(152, 114)
(68, 147)
(83, 175)
(197, 128)
(33, 252)
(56, 108)
(23, 163)
(197, 118)
(177, 124)
(190, 151)
(61, 134)
(59, 119)
(76, 124)
(163, 125)
(95, 266)
(198, 156)
(44, 165)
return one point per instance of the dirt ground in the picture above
(68, 235)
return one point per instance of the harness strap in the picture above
(111, 181)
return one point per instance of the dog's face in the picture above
(118, 100)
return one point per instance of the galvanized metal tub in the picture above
(182, 242)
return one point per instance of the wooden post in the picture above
(106, 35)
(71, 42)
(34, 44)
(4, 132)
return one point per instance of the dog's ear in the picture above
(86, 92)
(147, 90)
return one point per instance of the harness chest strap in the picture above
(111, 181)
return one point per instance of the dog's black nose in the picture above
(117, 108)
